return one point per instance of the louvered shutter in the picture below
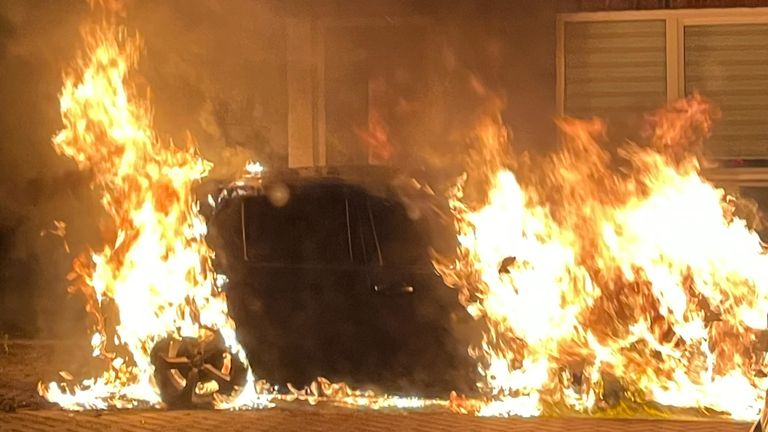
(729, 64)
(614, 68)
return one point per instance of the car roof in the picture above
(365, 176)
(375, 180)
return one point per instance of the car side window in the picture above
(310, 228)
(395, 238)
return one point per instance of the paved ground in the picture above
(324, 419)
(25, 362)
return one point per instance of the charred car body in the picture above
(330, 275)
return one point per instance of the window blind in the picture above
(728, 63)
(614, 68)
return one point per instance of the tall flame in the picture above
(588, 275)
(154, 277)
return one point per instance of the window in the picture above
(398, 239)
(614, 68)
(619, 64)
(727, 63)
(311, 228)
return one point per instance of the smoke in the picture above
(430, 78)
(217, 72)
(36, 187)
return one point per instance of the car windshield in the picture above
(309, 228)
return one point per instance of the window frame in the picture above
(350, 262)
(676, 21)
(378, 259)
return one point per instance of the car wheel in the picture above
(190, 371)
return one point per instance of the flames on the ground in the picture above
(600, 275)
(340, 394)
(154, 276)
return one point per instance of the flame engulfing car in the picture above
(331, 275)
(761, 425)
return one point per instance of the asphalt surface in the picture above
(21, 409)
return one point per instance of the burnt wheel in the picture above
(190, 371)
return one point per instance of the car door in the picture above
(302, 315)
(409, 304)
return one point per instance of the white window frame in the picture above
(676, 20)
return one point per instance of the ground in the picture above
(24, 362)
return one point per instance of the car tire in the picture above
(190, 371)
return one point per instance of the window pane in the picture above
(400, 239)
(311, 228)
(727, 63)
(614, 69)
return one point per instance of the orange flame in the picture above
(588, 274)
(154, 277)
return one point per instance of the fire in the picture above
(154, 277)
(593, 279)
(594, 275)
(340, 394)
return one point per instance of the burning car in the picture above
(330, 275)
(590, 267)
